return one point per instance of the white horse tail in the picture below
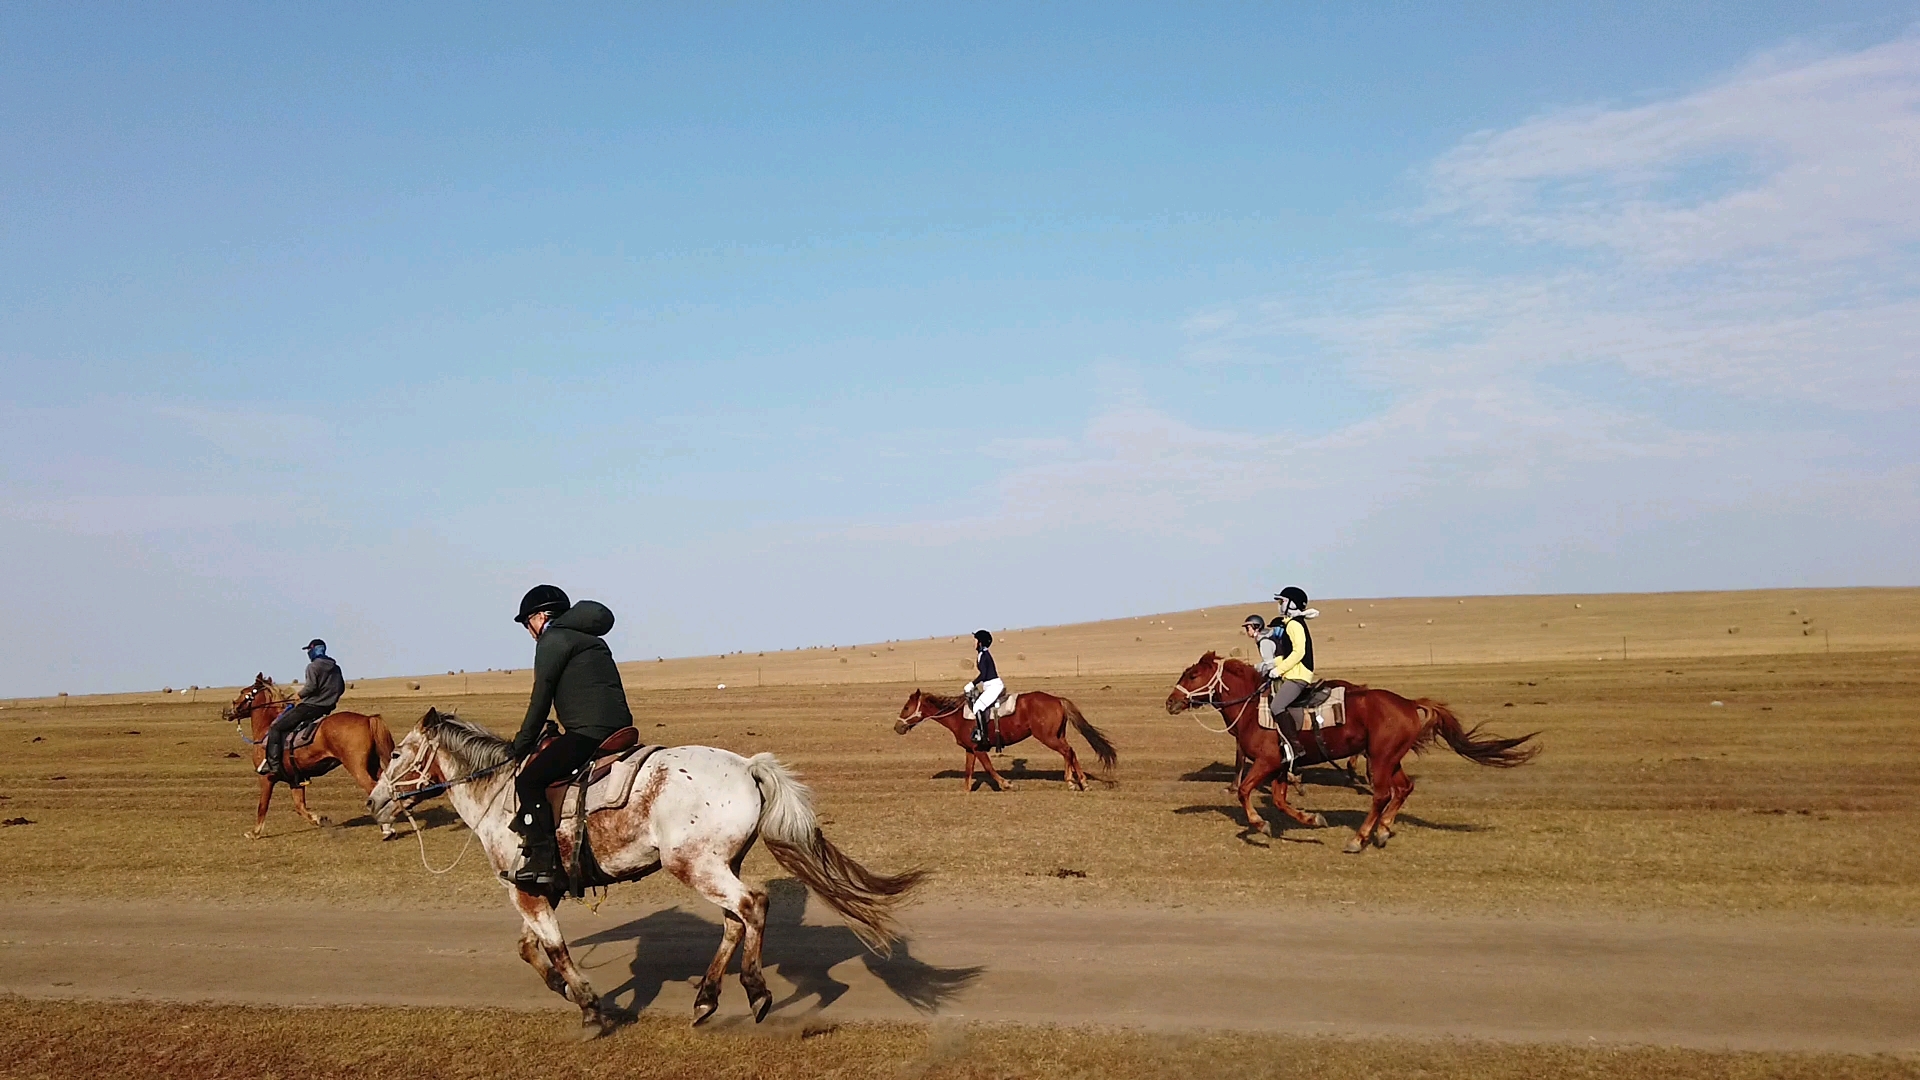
(791, 831)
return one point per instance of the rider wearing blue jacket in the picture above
(320, 691)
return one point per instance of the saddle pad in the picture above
(1332, 712)
(610, 785)
(1000, 711)
(303, 735)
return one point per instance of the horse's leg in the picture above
(967, 781)
(1256, 773)
(999, 782)
(746, 915)
(300, 806)
(1382, 792)
(536, 954)
(1057, 742)
(356, 763)
(544, 928)
(260, 816)
(1402, 787)
(1312, 821)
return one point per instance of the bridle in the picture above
(425, 786)
(421, 776)
(1216, 685)
(246, 703)
(920, 703)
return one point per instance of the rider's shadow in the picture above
(676, 946)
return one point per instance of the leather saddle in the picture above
(616, 747)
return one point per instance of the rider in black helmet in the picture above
(986, 687)
(575, 677)
(1286, 651)
(320, 691)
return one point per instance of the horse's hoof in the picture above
(1379, 838)
(702, 1010)
(593, 1027)
(252, 834)
(761, 1005)
(323, 821)
(1355, 846)
(1319, 821)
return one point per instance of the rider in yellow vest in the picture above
(1286, 650)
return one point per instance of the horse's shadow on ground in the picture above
(1221, 772)
(1286, 829)
(430, 818)
(675, 946)
(1019, 770)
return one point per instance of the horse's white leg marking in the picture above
(545, 929)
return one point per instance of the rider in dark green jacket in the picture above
(575, 677)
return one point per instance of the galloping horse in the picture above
(1380, 724)
(694, 810)
(361, 743)
(1041, 715)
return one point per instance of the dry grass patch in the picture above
(1798, 793)
(48, 1039)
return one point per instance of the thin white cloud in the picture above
(1810, 159)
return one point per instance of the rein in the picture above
(922, 703)
(408, 799)
(246, 707)
(431, 790)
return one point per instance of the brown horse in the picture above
(361, 743)
(1380, 724)
(1036, 713)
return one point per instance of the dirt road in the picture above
(1687, 983)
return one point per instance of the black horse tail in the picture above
(1096, 738)
(1469, 743)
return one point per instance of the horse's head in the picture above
(415, 764)
(1200, 684)
(923, 706)
(253, 697)
(910, 714)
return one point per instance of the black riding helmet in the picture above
(315, 643)
(547, 598)
(1255, 621)
(1294, 593)
(982, 638)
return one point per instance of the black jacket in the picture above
(574, 675)
(323, 684)
(986, 668)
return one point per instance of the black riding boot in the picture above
(980, 730)
(271, 762)
(539, 871)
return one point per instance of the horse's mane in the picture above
(473, 746)
(1228, 663)
(937, 700)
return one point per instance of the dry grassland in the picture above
(197, 1042)
(1795, 796)
(1798, 794)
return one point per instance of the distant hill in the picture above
(1349, 636)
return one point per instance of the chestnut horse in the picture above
(1380, 724)
(1037, 713)
(361, 743)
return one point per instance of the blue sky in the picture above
(778, 326)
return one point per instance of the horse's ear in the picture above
(432, 715)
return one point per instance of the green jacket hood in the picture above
(587, 617)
